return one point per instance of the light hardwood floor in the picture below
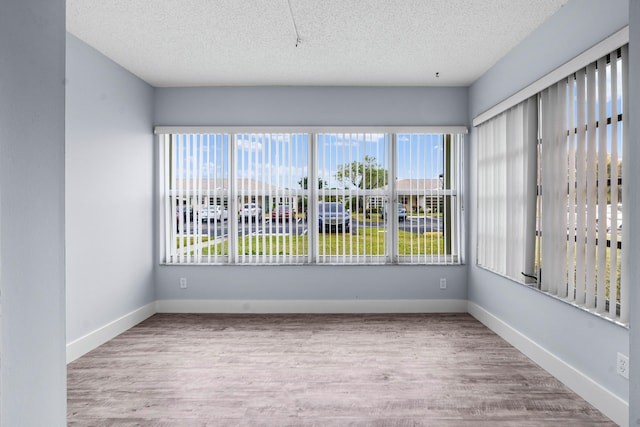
(316, 370)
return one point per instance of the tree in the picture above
(364, 175)
(303, 182)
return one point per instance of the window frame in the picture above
(586, 296)
(584, 130)
(390, 257)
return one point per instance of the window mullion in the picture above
(312, 198)
(233, 194)
(391, 199)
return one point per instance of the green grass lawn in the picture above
(608, 267)
(367, 241)
(420, 244)
(191, 240)
(272, 245)
(362, 218)
(617, 267)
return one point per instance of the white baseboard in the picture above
(311, 306)
(85, 344)
(606, 402)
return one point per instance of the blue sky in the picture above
(611, 90)
(282, 159)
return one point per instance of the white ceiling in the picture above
(343, 42)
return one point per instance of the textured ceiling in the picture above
(343, 42)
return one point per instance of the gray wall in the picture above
(299, 106)
(252, 106)
(576, 27)
(634, 208)
(32, 370)
(109, 191)
(311, 282)
(587, 342)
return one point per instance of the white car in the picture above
(618, 220)
(213, 213)
(609, 221)
(250, 211)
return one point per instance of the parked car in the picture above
(609, 223)
(282, 213)
(333, 215)
(250, 211)
(213, 213)
(402, 212)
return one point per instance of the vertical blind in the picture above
(430, 194)
(353, 169)
(582, 146)
(301, 197)
(550, 194)
(506, 191)
(196, 191)
(271, 198)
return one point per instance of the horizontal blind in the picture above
(581, 221)
(506, 191)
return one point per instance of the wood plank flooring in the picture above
(316, 370)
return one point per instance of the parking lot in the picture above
(413, 224)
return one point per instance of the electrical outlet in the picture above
(183, 283)
(622, 365)
(443, 283)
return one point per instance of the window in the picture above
(354, 170)
(550, 188)
(196, 197)
(580, 213)
(272, 197)
(238, 197)
(506, 191)
(428, 218)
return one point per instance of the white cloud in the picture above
(250, 142)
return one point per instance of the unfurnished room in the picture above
(270, 213)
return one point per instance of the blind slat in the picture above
(602, 187)
(614, 259)
(581, 197)
(625, 279)
(571, 209)
(591, 187)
